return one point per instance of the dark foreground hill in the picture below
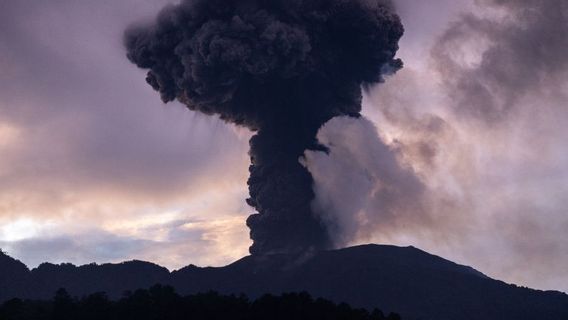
(407, 281)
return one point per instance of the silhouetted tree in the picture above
(163, 303)
(63, 306)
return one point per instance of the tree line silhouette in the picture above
(163, 303)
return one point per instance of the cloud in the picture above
(85, 144)
(173, 243)
(490, 63)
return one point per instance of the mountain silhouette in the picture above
(405, 280)
(14, 277)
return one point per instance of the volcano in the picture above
(405, 280)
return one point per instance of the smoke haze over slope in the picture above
(478, 115)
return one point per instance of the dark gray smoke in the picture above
(281, 68)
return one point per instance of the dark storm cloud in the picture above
(490, 64)
(280, 68)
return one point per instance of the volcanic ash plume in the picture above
(281, 68)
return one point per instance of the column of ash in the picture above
(281, 68)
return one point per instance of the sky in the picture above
(461, 153)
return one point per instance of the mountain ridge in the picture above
(405, 280)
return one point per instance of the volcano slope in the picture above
(405, 280)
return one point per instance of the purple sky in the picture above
(463, 153)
